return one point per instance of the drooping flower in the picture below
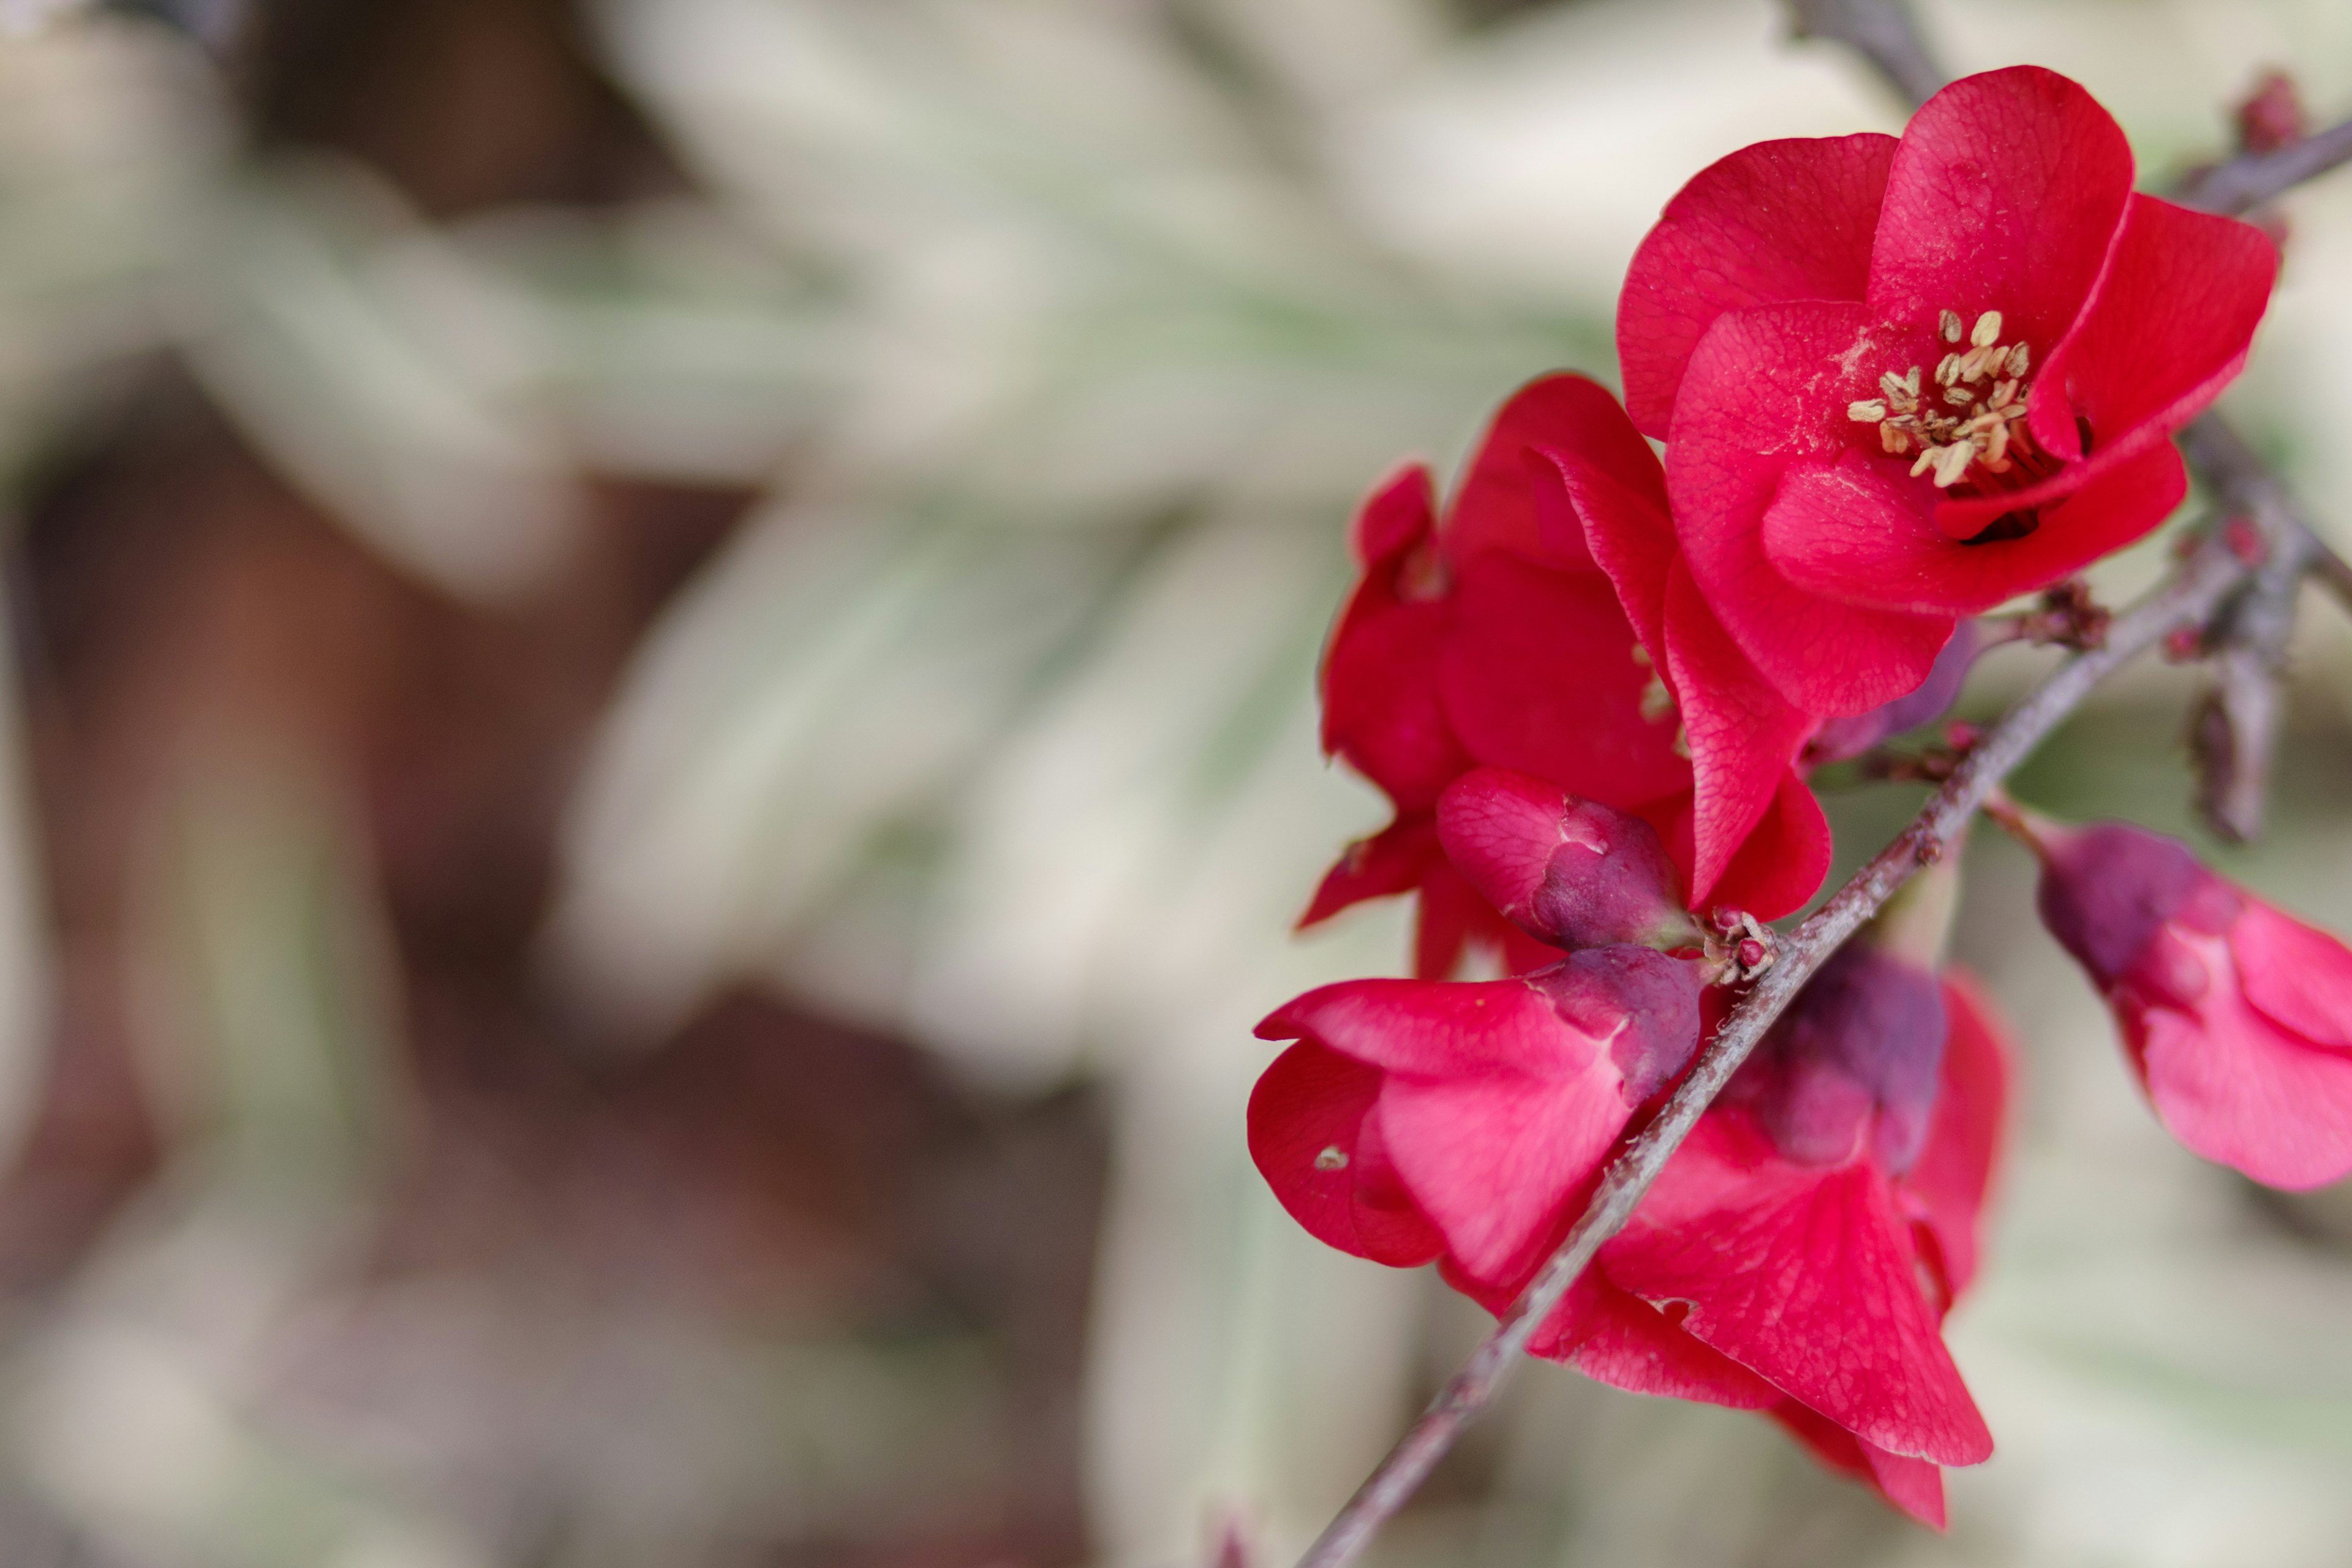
(2236, 1017)
(1900, 382)
(1496, 639)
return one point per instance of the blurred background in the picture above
(658, 743)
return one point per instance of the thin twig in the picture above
(2251, 179)
(2187, 598)
(1884, 32)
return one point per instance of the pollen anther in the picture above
(1950, 326)
(1987, 330)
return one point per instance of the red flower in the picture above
(1496, 639)
(1420, 1118)
(1901, 382)
(2237, 1017)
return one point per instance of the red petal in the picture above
(1390, 861)
(1499, 828)
(1804, 1276)
(1540, 676)
(1781, 862)
(2234, 1086)
(1955, 1167)
(1626, 532)
(2004, 195)
(1438, 1030)
(1454, 919)
(1311, 1101)
(1743, 734)
(1400, 513)
(1768, 388)
(1915, 1486)
(1774, 222)
(1864, 532)
(1496, 507)
(2301, 977)
(2167, 327)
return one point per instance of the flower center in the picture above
(1971, 425)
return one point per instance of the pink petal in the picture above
(1784, 858)
(2234, 1086)
(1499, 828)
(1804, 1276)
(1496, 507)
(1862, 530)
(1452, 920)
(1307, 1134)
(1540, 676)
(1773, 222)
(1913, 1485)
(1743, 734)
(1768, 388)
(2167, 327)
(2004, 195)
(2300, 978)
(1390, 862)
(1954, 1171)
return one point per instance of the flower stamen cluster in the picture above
(1950, 442)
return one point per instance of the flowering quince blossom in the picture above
(1797, 1253)
(1494, 637)
(2236, 1017)
(1900, 382)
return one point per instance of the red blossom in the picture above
(1902, 382)
(2237, 1017)
(1495, 638)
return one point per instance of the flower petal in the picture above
(2234, 1087)
(1454, 919)
(1390, 861)
(1572, 872)
(1381, 705)
(1540, 676)
(1915, 1486)
(1773, 222)
(1862, 532)
(1308, 1137)
(1805, 1277)
(2300, 978)
(1782, 861)
(1627, 531)
(1743, 734)
(1768, 388)
(2167, 327)
(1437, 1030)
(2004, 195)
(1953, 1170)
(1495, 509)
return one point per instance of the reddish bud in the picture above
(2272, 116)
(2182, 644)
(1751, 953)
(2245, 540)
(1570, 872)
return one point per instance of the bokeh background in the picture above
(658, 742)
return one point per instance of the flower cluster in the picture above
(1898, 382)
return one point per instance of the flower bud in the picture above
(1570, 872)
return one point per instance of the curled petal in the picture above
(1954, 1171)
(1781, 862)
(2298, 977)
(1381, 710)
(1627, 531)
(1496, 507)
(1771, 223)
(1863, 532)
(1392, 861)
(1570, 872)
(1913, 1485)
(1310, 1137)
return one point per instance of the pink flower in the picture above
(1901, 382)
(2237, 1017)
(1495, 638)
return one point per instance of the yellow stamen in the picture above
(2018, 360)
(1869, 412)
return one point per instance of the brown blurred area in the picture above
(178, 604)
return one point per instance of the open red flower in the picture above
(2237, 1017)
(1496, 639)
(1798, 1253)
(1901, 382)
